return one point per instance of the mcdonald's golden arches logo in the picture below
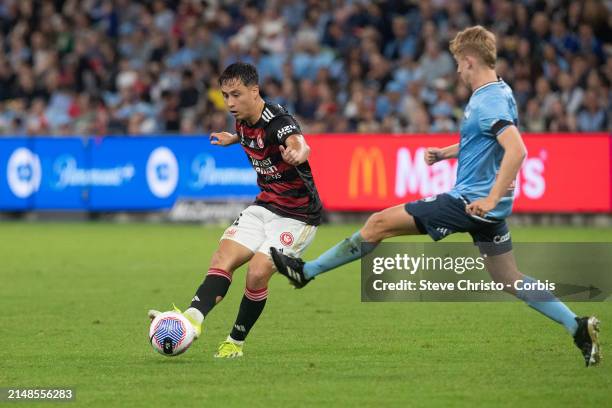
(370, 162)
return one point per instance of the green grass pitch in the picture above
(74, 299)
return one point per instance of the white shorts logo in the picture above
(162, 172)
(23, 172)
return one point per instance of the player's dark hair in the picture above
(247, 74)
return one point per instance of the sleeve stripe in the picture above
(499, 126)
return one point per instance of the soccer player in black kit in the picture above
(285, 213)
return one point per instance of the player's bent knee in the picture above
(259, 272)
(375, 228)
(257, 278)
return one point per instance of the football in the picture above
(171, 334)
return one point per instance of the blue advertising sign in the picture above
(124, 169)
(65, 175)
(20, 174)
(120, 173)
(210, 171)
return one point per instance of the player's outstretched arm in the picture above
(514, 154)
(436, 154)
(223, 138)
(296, 151)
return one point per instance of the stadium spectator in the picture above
(592, 117)
(150, 67)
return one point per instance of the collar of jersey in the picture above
(259, 124)
(499, 80)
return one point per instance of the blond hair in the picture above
(476, 41)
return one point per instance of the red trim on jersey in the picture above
(288, 202)
(283, 166)
(283, 186)
(251, 133)
(261, 154)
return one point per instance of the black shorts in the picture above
(442, 215)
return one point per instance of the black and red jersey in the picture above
(286, 190)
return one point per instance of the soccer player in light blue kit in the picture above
(490, 155)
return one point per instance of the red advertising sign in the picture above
(357, 172)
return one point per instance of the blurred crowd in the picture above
(110, 67)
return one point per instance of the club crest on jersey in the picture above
(286, 238)
(260, 141)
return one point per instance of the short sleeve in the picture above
(283, 126)
(494, 116)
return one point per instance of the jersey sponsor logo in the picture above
(265, 168)
(261, 163)
(23, 172)
(162, 172)
(286, 130)
(286, 238)
(267, 171)
(369, 161)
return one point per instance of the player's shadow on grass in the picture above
(172, 361)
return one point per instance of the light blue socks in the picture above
(546, 303)
(342, 253)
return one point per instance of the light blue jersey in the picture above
(489, 112)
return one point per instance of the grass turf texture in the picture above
(74, 299)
